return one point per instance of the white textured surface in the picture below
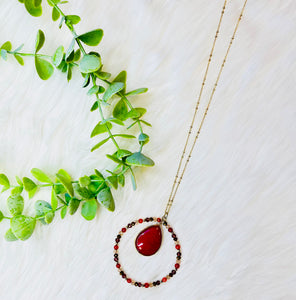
(235, 211)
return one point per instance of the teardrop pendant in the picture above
(149, 240)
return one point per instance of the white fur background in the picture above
(235, 212)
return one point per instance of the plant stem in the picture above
(29, 54)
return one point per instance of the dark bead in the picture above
(123, 276)
(139, 284)
(119, 236)
(175, 239)
(171, 275)
(151, 219)
(121, 273)
(147, 219)
(116, 259)
(173, 236)
(173, 272)
(165, 223)
(117, 240)
(157, 282)
(133, 223)
(179, 253)
(154, 283)
(115, 255)
(136, 283)
(129, 225)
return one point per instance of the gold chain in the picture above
(178, 178)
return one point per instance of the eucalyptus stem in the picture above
(29, 54)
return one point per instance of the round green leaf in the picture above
(29, 184)
(55, 14)
(139, 159)
(49, 217)
(4, 180)
(40, 175)
(89, 63)
(40, 39)
(73, 19)
(63, 212)
(105, 198)
(120, 110)
(113, 88)
(100, 128)
(89, 209)
(15, 204)
(66, 180)
(84, 181)
(6, 46)
(58, 56)
(9, 236)
(92, 38)
(42, 208)
(43, 68)
(22, 226)
(35, 11)
(73, 206)
(143, 138)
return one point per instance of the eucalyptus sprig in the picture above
(90, 190)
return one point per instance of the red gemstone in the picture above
(164, 279)
(123, 229)
(158, 220)
(149, 240)
(118, 266)
(177, 266)
(170, 229)
(146, 285)
(140, 220)
(178, 247)
(116, 247)
(129, 280)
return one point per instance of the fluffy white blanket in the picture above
(235, 210)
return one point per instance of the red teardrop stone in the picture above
(149, 240)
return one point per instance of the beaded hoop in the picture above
(157, 282)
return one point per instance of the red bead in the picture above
(149, 240)
(178, 247)
(177, 266)
(159, 220)
(118, 266)
(146, 285)
(116, 247)
(123, 229)
(129, 280)
(170, 229)
(164, 279)
(140, 220)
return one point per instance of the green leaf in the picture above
(112, 90)
(139, 159)
(92, 38)
(121, 77)
(98, 145)
(73, 19)
(17, 190)
(63, 212)
(100, 128)
(19, 181)
(9, 236)
(15, 204)
(146, 123)
(40, 175)
(99, 175)
(35, 11)
(43, 68)
(22, 226)
(95, 90)
(1, 216)
(126, 136)
(42, 207)
(73, 206)
(84, 181)
(121, 180)
(116, 121)
(3, 54)
(55, 14)
(49, 217)
(89, 63)
(54, 199)
(70, 51)
(89, 209)
(115, 159)
(4, 181)
(143, 138)
(105, 198)
(69, 73)
(120, 110)
(123, 153)
(58, 56)
(29, 184)
(77, 55)
(6, 46)
(102, 75)
(19, 59)
(133, 113)
(133, 178)
(113, 180)
(137, 92)
(40, 39)
(94, 106)
(84, 192)
(66, 180)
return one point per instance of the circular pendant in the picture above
(148, 243)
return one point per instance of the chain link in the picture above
(180, 171)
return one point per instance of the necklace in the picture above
(149, 240)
